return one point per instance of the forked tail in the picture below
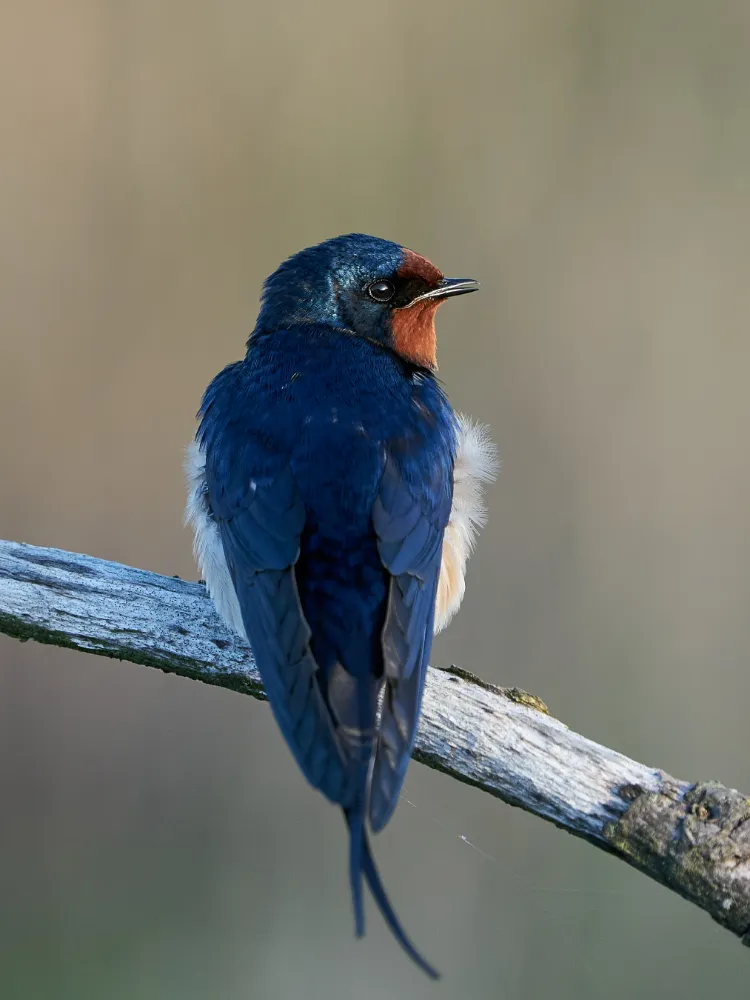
(361, 862)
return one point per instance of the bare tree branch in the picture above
(692, 838)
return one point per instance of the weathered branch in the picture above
(693, 838)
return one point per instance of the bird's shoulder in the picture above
(324, 385)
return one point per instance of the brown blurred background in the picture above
(589, 162)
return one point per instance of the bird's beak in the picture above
(449, 286)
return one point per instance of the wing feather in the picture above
(409, 518)
(260, 516)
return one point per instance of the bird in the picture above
(335, 497)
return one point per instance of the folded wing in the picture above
(260, 517)
(409, 516)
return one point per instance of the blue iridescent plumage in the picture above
(329, 458)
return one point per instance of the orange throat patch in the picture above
(414, 336)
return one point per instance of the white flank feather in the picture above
(476, 464)
(207, 545)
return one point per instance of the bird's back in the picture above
(332, 404)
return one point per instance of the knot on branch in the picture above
(697, 842)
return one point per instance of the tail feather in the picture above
(355, 819)
(361, 862)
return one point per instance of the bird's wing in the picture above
(260, 516)
(409, 517)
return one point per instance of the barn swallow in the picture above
(335, 497)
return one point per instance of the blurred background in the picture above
(589, 162)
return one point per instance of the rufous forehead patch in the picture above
(417, 266)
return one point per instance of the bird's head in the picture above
(371, 288)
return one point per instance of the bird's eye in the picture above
(381, 291)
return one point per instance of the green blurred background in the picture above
(589, 162)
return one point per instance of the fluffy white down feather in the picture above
(207, 545)
(476, 464)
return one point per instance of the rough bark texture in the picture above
(692, 838)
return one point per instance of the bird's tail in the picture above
(362, 863)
